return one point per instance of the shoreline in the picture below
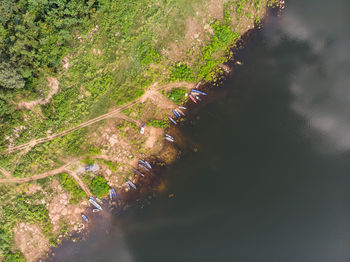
(149, 184)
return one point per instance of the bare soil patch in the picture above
(30, 240)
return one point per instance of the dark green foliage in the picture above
(5, 108)
(71, 186)
(181, 72)
(99, 186)
(34, 34)
(177, 95)
(9, 77)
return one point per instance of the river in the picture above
(270, 179)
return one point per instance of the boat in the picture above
(182, 113)
(172, 120)
(170, 139)
(99, 200)
(142, 130)
(182, 107)
(95, 210)
(197, 97)
(143, 167)
(131, 184)
(192, 98)
(199, 83)
(167, 135)
(94, 203)
(147, 164)
(138, 172)
(198, 92)
(110, 194)
(176, 114)
(114, 194)
(85, 218)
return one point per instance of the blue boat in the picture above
(172, 120)
(110, 194)
(198, 92)
(85, 218)
(94, 203)
(131, 184)
(138, 172)
(143, 167)
(176, 114)
(147, 164)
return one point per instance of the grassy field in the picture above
(108, 57)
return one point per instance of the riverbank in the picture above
(114, 142)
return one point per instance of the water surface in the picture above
(271, 178)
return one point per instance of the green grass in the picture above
(158, 123)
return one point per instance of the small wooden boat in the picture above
(85, 218)
(182, 107)
(94, 203)
(176, 114)
(148, 165)
(170, 139)
(199, 83)
(182, 113)
(198, 92)
(138, 172)
(172, 120)
(192, 98)
(131, 184)
(143, 167)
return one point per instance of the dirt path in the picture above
(53, 83)
(6, 173)
(80, 182)
(114, 113)
(56, 171)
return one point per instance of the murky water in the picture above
(271, 178)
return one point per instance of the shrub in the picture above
(157, 123)
(99, 186)
(181, 72)
(177, 95)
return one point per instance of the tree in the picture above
(9, 77)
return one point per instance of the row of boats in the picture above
(143, 164)
(194, 96)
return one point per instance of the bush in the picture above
(181, 72)
(99, 186)
(177, 95)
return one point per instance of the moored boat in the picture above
(176, 114)
(198, 92)
(172, 120)
(131, 184)
(138, 172)
(85, 218)
(94, 203)
(192, 98)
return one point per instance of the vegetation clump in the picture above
(177, 95)
(99, 186)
